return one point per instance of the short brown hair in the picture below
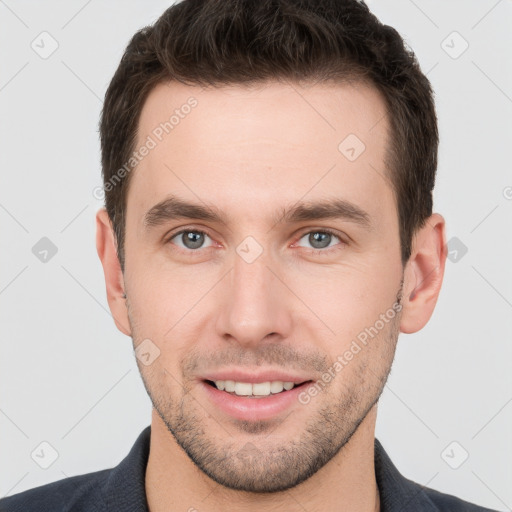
(221, 42)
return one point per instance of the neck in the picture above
(346, 483)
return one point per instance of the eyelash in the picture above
(321, 252)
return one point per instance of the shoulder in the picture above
(449, 503)
(77, 493)
(398, 493)
(118, 488)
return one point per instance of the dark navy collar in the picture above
(124, 488)
(397, 493)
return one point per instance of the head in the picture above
(268, 176)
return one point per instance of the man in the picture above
(268, 233)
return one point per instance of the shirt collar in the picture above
(125, 485)
(125, 488)
(397, 493)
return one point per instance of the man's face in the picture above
(262, 291)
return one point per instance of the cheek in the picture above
(161, 295)
(348, 298)
(166, 308)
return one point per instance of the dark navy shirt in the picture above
(122, 489)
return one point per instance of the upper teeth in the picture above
(259, 389)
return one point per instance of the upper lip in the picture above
(239, 375)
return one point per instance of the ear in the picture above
(423, 274)
(114, 279)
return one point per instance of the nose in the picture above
(256, 303)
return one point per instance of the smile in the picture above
(253, 401)
(253, 390)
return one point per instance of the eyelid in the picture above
(189, 227)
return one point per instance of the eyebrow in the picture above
(174, 208)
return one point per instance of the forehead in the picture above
(247, 113)
(269, 143)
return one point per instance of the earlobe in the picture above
(114, 280)
(423, 275)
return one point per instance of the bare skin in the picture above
(251, 153)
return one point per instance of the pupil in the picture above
(324, 239)
(192, 239)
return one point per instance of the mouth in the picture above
(257, 395)
(255, 390)
(254, 402)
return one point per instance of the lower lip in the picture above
(253, 409)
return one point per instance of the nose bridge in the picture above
(255, 305)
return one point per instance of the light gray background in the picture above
(69, 378)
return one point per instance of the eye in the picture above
(321, 240)
(189, 239)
